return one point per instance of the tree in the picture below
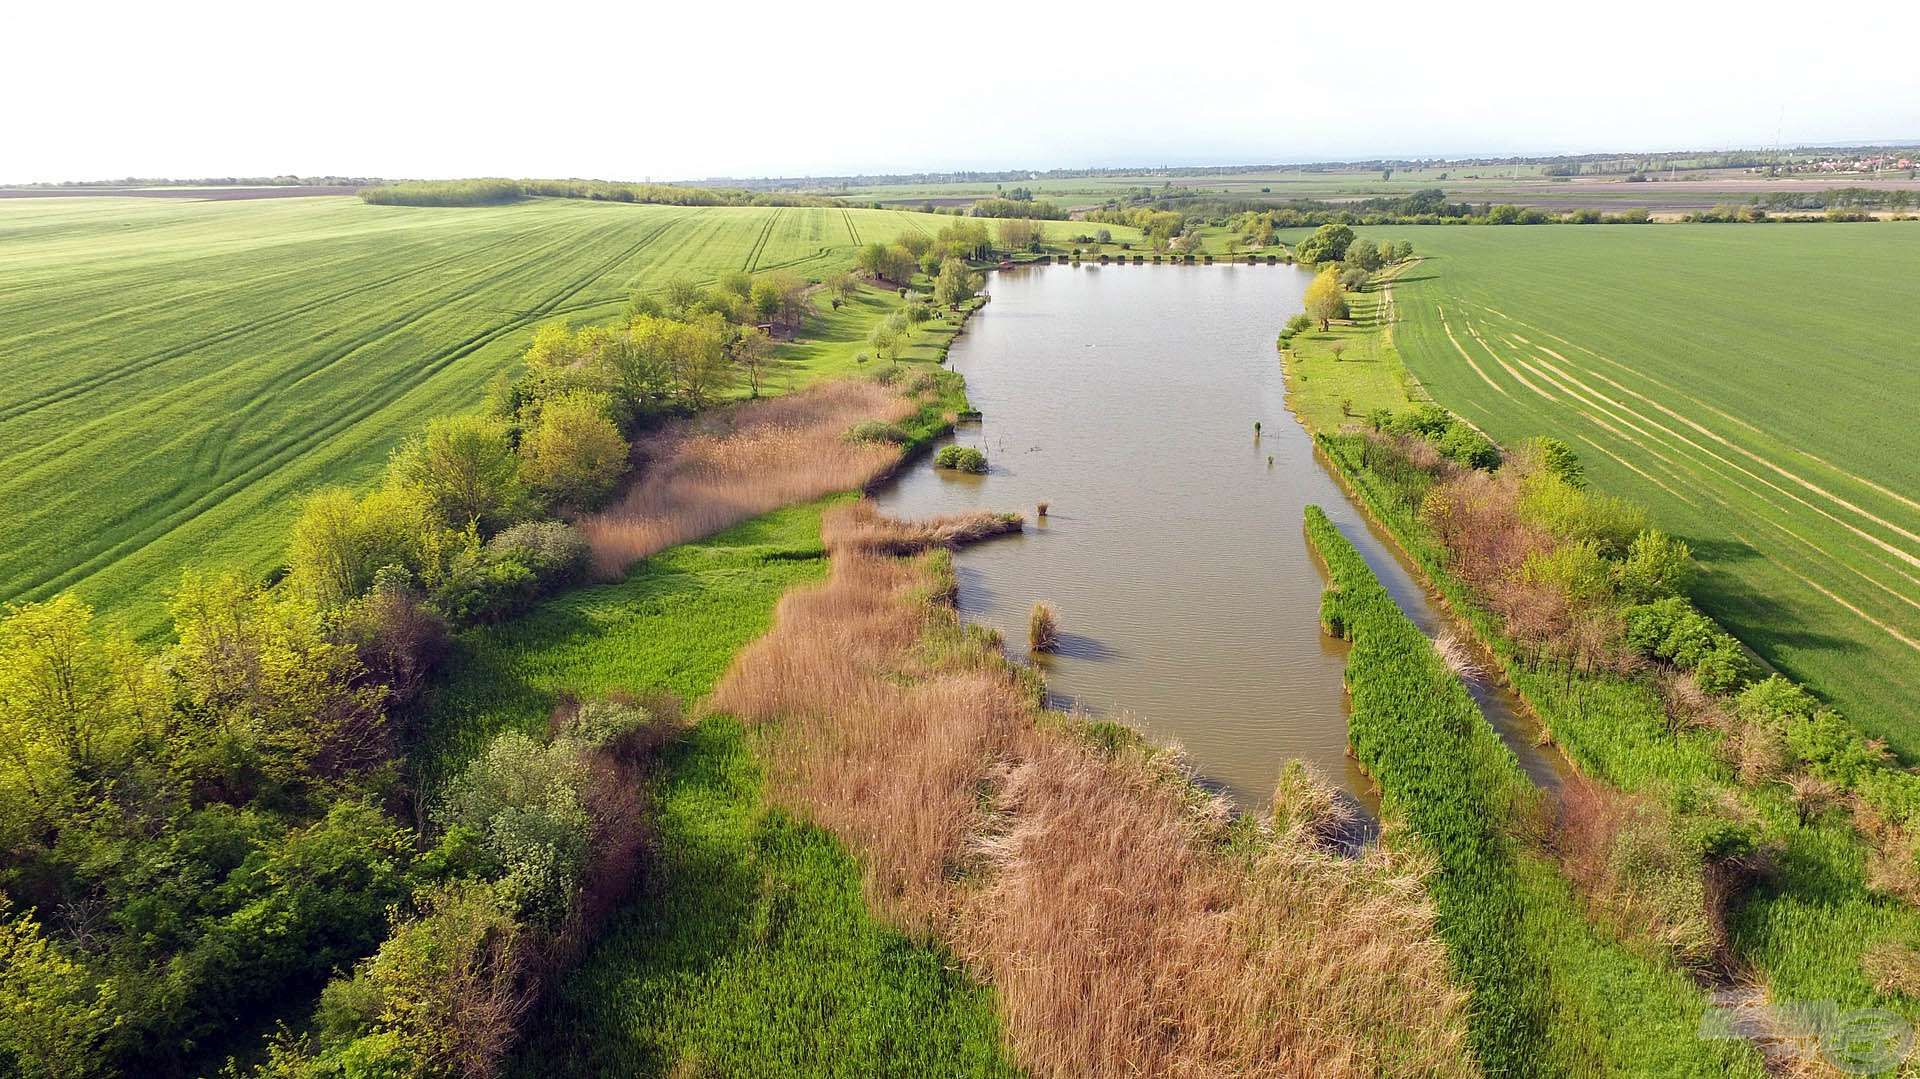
(956, 284)
(1328, 243)
(1019, 234)
(887, 337)
(76, 707)
(1364, 257)
(1656, 566)
(752, 353)
(466, 468)
(279, 700)
(872, 259)
(681, 296)
(340, 542)
(53, 1017)
(1325, 299)
(844, 285)
(575, 454)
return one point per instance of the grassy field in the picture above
(1750, 385)
(751, 950)
(178, 373)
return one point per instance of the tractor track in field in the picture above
(847, 216)
(480, 277)
(77, 387)
(760, 242)
(292, 377)
(179, 506)
(1725, 415)
(1689, 475)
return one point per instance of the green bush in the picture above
(1427, 421)
(479, 585)
(961, 459)
(1656, 566)
(1469, 448)
(1559, 459)
(555, 551)
(1296, 326)
(524, 802)
(877, 431)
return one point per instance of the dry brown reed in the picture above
(698, 476)
(1095, 889)
(1043, 629)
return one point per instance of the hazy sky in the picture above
(685, 90)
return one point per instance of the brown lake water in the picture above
(1173, 551)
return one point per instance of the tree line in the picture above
(495, 191)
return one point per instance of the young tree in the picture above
(843, 285)
(76, 707)
(956, 284)
(340, 542)
(681, 296)
(1325, 299)
(575, 454)
(872, 259)
(1018, 234)
(752, 353)
(466, 468)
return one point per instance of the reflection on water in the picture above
(1172, 550)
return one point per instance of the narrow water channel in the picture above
(1173, 552)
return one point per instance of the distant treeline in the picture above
(1863, 198)
(494, 191)
(1041, 210)
(215, 181)
(1425, 207)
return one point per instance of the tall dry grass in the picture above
(1097, 890)
(696, 477)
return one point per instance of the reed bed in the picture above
(1129, 926)
(697, 477)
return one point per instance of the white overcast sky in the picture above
(676, 90)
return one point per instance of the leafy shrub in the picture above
(440, 997)
(523, 800)
(574, 455)
(1469, 448)
(1672, 630)
(1558, 459)
(877, 431)
(478, 585)
(1296, 326)
(1427, 421)
(555, 551)
(1574, 513)
(961, 459)
(1656, 566)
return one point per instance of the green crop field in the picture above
(178, 373)
(1755, 386)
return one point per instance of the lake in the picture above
(1173, 552)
